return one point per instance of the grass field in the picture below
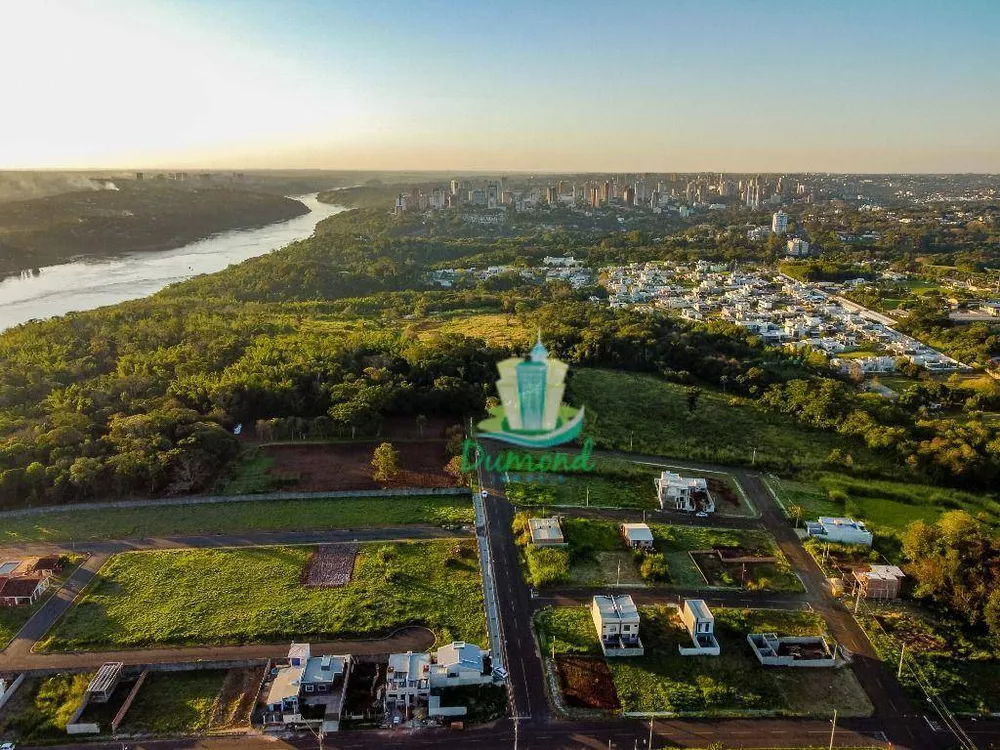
(169, 520)
(175, 702)
(613, 484)
(253, 595)
(962, 667)
(12, 619)
(651, 416)
(42, 707)
(887, 506)
(498, 329)
(732, 683)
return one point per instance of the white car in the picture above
(7, 746)
(485, 494)
(701, 514)
(499, 673)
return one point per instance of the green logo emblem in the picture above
(531, 412)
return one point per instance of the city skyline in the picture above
(649, 87)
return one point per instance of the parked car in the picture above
(499, 674)
(7, 746)
(701, 514)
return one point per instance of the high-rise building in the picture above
(753, 194)
(654, 199)
(492, 195)
(606, 193)
(628, 195)
(551, 195)
(779, 222)
(455, 187)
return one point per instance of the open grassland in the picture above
(652, 416)
(497, 329)
(214, 518)
(887, 506)
(176, 702)
(612, 484)
(12, 619)
(42, 707)
(733, 683)
(962, 667)
(223, 596)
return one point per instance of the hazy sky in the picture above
(851, 85)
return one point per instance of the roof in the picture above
(324, 669)
(8, 566)
(673, 479)
(637, 532)
(409, 663)
(881, 572)
(545, 529)
(106, 678)
(620, 608)
(21, 586)
(699, 609)
(285, 684)
(299, 651)
(460, 652)
(847, 522)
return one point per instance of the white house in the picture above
(546, 532)
(840, 530)
(637, 535)
(411, 678)
(460, 663)
(688, 494)
(617, 621)
(700, 624)
(308, 682)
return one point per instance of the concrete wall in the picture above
(11, 689)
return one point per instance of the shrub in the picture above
(547, 566)
(654, 568)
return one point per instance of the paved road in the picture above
(19, 656)
(579, 735)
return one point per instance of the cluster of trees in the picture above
(956, 563)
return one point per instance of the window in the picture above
(309, 688)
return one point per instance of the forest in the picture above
(142, 398)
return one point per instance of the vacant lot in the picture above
(174, 520)
(652, 416)
(586, 682)
(963, 666)
(42, 707)
(733, 683)
(887, 506)
(177, 702)
(186, 597)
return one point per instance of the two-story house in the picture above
(700, 624)
(617, 621)
(689, 494)
(308, 689)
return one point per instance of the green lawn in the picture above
(271, 515)
(652, 415)
(12, 619)
(175, 702)
(253, 595)
(249, 475)
(732, 683)
(614, 484)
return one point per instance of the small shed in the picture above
(637, 535)
(105, 681)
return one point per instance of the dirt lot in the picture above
(587, 683)
(340, 466)
(723, 573)
(331, 565)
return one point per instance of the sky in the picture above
(535, 85)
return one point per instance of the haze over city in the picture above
(646, 86)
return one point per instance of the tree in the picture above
(796, 510)
(385, 463)
(692, 393)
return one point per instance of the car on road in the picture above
(499, 674)
(701, 514)
(7, 746)
(485, 494)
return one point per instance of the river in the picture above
(86, 284)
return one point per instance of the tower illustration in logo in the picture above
(531, 412)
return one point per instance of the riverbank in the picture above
(135, 217)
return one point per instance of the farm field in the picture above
(652, 416)
(887, 506)
(731, 684)
(12, 619)
(254, 595)
(270, 515)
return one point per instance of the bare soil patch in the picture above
(726, 571)
(319, 467)
(721, 490)
(586, 682)
(237, 698)
(331, 565)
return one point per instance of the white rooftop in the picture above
(545, 529)
(412, 664)
(883, 572)
(620, 608)
(637, 532)
(699, 609)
